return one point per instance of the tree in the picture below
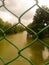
(20, 28)
(11, 28)
(40, 20)
(1, 23)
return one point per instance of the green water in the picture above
(35, 52)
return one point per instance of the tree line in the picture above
(6, 25)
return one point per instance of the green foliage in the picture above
(20, 28)
(1, 23)
(40, 20)
(6, 25)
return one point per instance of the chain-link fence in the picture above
(19, 22)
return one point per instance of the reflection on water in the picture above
(45, 53)
(37, 52)
(40, 53)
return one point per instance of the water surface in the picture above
(37, 52)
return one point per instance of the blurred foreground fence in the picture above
(19, 22)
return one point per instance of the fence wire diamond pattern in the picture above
(19, 22)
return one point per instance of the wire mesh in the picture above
(19, 22)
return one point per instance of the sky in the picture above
(18, 7)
